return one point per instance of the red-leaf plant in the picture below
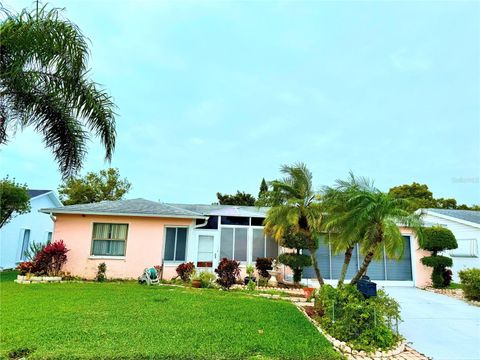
(51, 259)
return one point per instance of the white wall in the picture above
(11, 235)
(461, 232)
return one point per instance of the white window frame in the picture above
(21, 256)
(252, 260)
(175, 246)
(93, 256)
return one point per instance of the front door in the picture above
(205, 252)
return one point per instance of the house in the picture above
(130, 235)
(465, 225)
(23, 229)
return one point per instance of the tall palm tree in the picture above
(377, 216)
(344, 233)
(44, 84)
(299, 210)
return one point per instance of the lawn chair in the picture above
(149, 276)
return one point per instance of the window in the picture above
(175, 244)
(256, 221)
(235, 220)
(263, 245)
(466, 248)
(25, 242)
(49, 236)
(212, 223)
(233, 243)
(109, 239)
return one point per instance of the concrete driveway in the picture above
(437, 325)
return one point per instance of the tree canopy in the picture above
(14, 200)
(241, 198)
(94, 187)
(44, 84)
(419, 196)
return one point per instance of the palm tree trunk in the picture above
(313, 255)
(368, 259)
(346, 262)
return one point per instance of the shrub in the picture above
(228, 271)
(447, 277)
(437, 239)
(185, 270)
(367, 324)
(102, 269)
(470, 280)
(33, 249)
(263, 265)
(297, 262)
(25, 267)
(207, 278)
(51, 259)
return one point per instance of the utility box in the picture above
(367, 287)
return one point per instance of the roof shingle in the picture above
(135, 207)
(466, 215)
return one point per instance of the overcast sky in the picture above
(213, 96)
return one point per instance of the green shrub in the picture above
(101, 273)
(470, 279)
(438, 238)
(207, 278)
(296, 262)
(366, 324)
(437, 261)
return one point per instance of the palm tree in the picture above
(300, 210)
(377, 217)
(344, 233)
(44, 84)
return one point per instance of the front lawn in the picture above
(128, 320)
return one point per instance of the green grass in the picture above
(126, 320)
(454, 286)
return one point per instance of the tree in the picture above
(300, 211)
(14, 200)
(296, 261)
(44, 84)
(343, 231)
(420, 197)
(240, 199)
(438, 239)
(93, 187)
(263, 188)
(377, 216)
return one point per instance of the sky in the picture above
(213, 96)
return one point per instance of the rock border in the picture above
(23, 279)
(453, 293)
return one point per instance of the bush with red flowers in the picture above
(48, 261)
(228, 271)
(51, 259)
(25, 267)
(185, 270)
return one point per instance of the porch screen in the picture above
(109, 239)
(263, 245)
(233, 243)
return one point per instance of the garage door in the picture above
(379, 269)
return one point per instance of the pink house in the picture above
(130, 235)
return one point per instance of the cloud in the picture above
(405, 60)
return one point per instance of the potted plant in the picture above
(308, 292)
(196, 280)
(250, 271)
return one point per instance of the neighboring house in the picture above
(465, 225)
(130, 235)
(23, 229)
